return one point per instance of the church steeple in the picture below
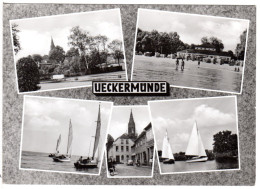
(52, 44)
(131, 127)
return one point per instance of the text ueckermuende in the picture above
(130, 87)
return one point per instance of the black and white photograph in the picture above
(190, 50)
(130, 143)
(68, 51)
(196, 135)
(64, 135)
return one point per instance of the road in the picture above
(206, 76)
(85, 80)
(124, 170)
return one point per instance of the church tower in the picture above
(131, 127)
(52, 44)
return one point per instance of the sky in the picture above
(120, 118)
(192, 28)
(46, 118)
(35, 34)
(211, 114)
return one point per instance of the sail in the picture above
(166, 148)
(58, 143)
(70, 137)
(97, 135)
(195, 146)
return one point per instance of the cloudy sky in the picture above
(120, 118)
(212, 115)
(45, 119)
(192, 28)
(35, 34)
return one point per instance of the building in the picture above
(143, 147)
(206, 53)
(121, 149)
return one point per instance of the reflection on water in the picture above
(182, 166)
(207, 76)
(41, 161)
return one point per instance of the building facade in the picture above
(143, 149)
(205, 52)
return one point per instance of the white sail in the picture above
(70, 137)
(97, 137)
(166, 148)
(195, 146)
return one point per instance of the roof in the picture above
(206, 52)
(124, 136)
(144, 131)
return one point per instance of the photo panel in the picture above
(130, 143)
(190, 50)
(68, 51)
(64, 135)
(196, 135)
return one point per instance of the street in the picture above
(85, 80)
(206, 76)
(124, 170)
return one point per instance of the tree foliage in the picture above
(27, 74)
(217, 43)
(240, 48)
(57, 54)
(116, 47)
(37, 58)
(16, 42)
(225, 142)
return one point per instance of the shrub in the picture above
(28, 75)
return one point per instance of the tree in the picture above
(57, 54)
(16, 42)
(204, 40)
(37, 58)
(241, 47)
(109, 144)
(217, 43)
(72, 52)
(28, 75)
(225, 142)
(81, 40)
(116, 48)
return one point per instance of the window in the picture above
(116, 148)
(122, 148)
(127, 149)
(122, 141)
(122, 158)
(126, 141)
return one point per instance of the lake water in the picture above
(182, 166)
(207, 76)
(41, 161)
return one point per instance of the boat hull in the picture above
(88, 165)
(169, 161)
(58, 159)
(198, 159)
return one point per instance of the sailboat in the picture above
(195, 147)
(57, 147)
(93, 162)
(167, 154)
(63, 158)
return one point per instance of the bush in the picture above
(28, 75)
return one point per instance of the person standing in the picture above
(182, 65)
(177, 63)
(199, 63)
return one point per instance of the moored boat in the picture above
(195, 148)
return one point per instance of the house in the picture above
(206, 53)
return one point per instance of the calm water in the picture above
(182, 166)
(41, 161)
(207, 76)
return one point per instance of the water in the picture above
(207, 76)
(41, 161)
(182, 166)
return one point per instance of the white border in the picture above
(70, 99)
(190, 99)
(132, 176)
(198, 15)
(61, 15)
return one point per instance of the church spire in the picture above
(52, 44)
(131, 126)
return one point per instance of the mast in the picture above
(97, 135)
(58, 143)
